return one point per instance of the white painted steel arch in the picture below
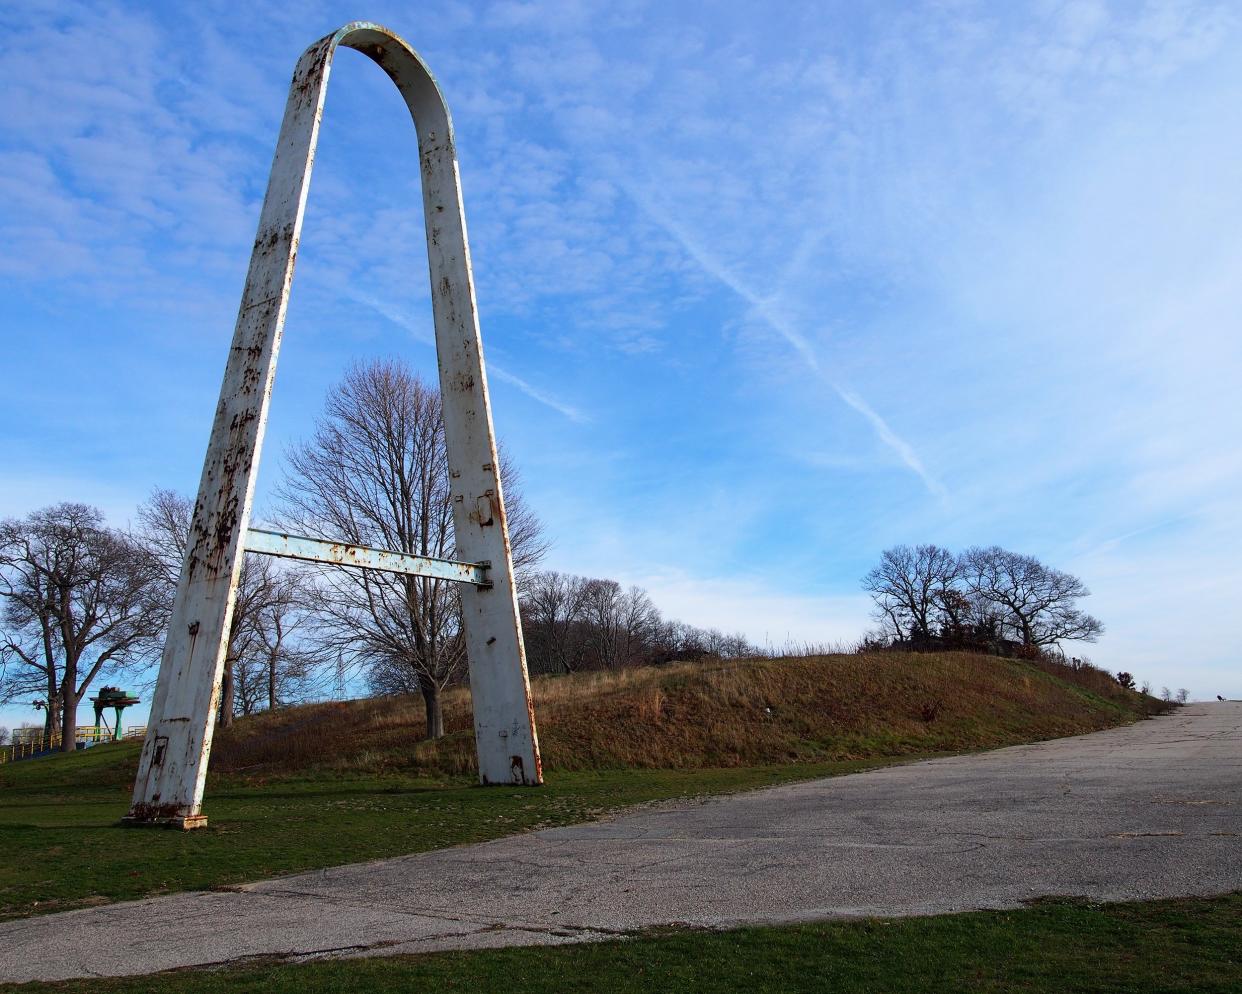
(173, 767)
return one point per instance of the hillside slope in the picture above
(720, 714)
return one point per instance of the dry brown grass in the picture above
(719, 714)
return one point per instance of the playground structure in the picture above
(116, 699)
(172, 770)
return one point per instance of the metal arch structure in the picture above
(173, 767)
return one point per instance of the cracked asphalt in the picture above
(1150, 810)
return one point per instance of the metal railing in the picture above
(28, 742)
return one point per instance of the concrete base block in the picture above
(184, 822)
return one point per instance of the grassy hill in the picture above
(721, 714)
(335, 783)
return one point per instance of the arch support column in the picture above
(173, 766)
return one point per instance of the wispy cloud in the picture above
(537, 395)
(769, 310)
(892, 440)
(420, 332)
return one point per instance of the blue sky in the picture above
(764, 288)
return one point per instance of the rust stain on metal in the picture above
(154, 812)
(163, 815)
(530, 716)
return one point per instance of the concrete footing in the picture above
(184, 822)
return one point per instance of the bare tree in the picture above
(725, 645)
(986, 599)
(552, 605)
(911, 586)
(1037, 602)
(574, 622)
(375, 473)
(287, 662)
(247, 678)
(682, 641)
(270, 606)
(1183, 695)
(640, 624)
(621, 625)
(277, 664)
(79, 599)
(603, 612)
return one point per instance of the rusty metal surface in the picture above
(173, 765)
(315, 550)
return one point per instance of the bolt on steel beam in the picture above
(173, 766)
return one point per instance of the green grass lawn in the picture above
(1163, 946)
(63, 847)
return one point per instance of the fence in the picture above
(29, 742)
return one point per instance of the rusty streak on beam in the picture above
(315, 550)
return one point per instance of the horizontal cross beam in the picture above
(315, 550)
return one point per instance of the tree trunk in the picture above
(227, 693)
(431, 703)
(51, 721)
(69, 722)
(271, 682)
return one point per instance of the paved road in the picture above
(1151, 810)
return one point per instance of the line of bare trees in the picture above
(576, 623)
(986, 598)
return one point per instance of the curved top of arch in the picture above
(393, 54)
